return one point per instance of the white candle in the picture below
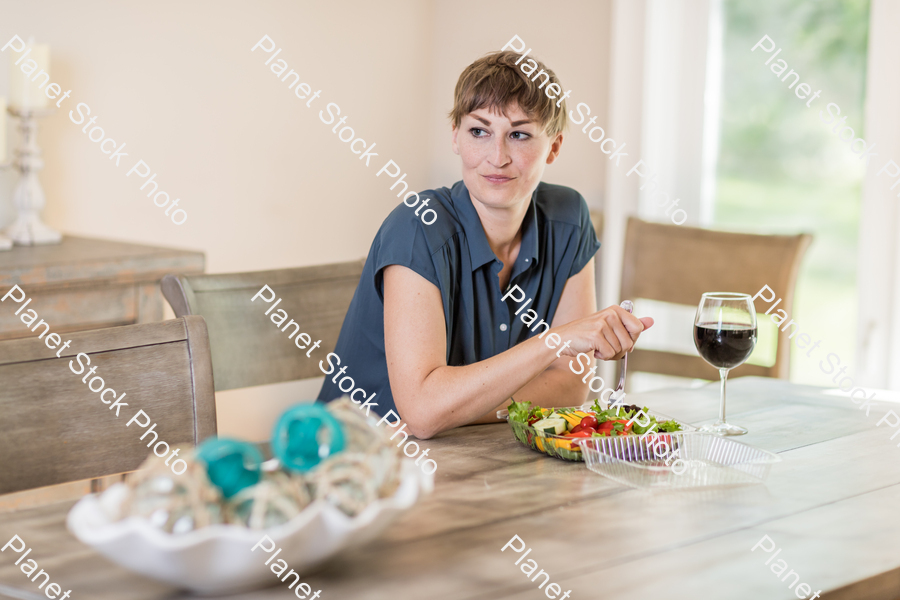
(26, 82)
(2, 129)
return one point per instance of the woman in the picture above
(433, 330)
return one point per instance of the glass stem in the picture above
(723, 375)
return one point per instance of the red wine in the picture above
(724, 345)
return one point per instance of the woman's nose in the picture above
(499, 153)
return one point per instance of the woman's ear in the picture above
(555, 145)
(453, 143)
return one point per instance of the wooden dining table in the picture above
(831, 508)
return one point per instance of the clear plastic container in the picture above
(556, 446)
(559, 446)
(688, 459)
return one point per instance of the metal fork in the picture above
(620, 389)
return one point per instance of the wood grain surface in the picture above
(830, 505)
(85, 283)
(54, 429)
(78, 259)
(678, 264)
(248, 347)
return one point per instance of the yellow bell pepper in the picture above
(567, 444)
(572, 419)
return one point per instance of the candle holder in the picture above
(28, 197)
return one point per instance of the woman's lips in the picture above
(497, 178)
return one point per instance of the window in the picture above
(780, 169)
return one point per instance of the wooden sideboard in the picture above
(84, 283)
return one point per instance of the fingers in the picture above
(611, 348)
(634, 325)
(612, 339)
(609, 333)
(619, 332)
(624, 340)
(607, 347)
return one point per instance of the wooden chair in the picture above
(597, 222)
(54, 429)
(247, 347)
(676, 263)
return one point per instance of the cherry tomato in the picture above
(628, 427)
(589, 421)
(607, 427)
(578, 428)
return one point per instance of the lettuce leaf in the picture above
(669, 426)
(638, 429)
(627, 414)
(520, 411)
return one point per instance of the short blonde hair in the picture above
(496, 82)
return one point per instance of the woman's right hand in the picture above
(607, 334)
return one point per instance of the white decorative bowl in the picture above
(218, 558)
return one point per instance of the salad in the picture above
(554, 430)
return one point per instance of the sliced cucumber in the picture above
(551, 426)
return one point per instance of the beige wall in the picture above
(577, 49)
(265, 183)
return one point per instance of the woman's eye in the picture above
(475, 131)
(520, 135)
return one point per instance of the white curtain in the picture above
(878, 352)
(664, 105)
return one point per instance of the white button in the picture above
(527, 259)
(502, 326)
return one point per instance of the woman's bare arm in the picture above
(432, 397)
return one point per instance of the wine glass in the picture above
(725, 335)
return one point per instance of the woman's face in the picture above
(503, 158)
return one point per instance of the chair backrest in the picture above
(247, 347)
(55, 429)
(677, 264)
(597, 222)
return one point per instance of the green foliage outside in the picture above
(781, 169)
